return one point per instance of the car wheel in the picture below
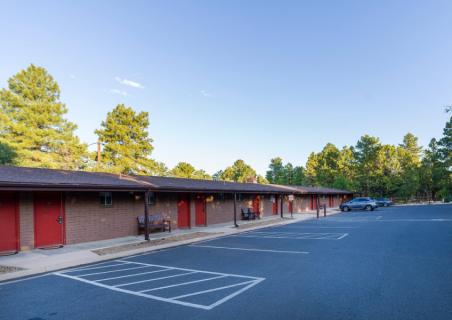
(386, 205)
(346, 209)
(368, 208)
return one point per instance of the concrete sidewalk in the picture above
(40, 260)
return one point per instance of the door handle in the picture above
(59, 220)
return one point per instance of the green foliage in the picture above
(127, 145)
(238, 172)
(287, 174)
(33, 129)
(186, 170)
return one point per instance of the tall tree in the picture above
(365, 154)
(311, 169)
(275, 173)
(239, 172)
(409, 154)
(186, 170)
(33, 124)
(127, 145)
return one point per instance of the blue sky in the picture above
(224, 80)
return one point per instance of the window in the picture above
(106, 199)
(151, 198)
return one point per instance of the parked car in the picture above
(384, 202)
(359, 204)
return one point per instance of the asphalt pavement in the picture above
(392, 263)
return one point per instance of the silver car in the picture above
(359, 204)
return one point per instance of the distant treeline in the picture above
(34, 132)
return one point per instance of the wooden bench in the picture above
(248, 215)
(156, 221)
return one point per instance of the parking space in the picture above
(390, 263)
(182, 286)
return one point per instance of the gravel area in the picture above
(152, 243)
(8, 269)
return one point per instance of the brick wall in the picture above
(26, 223)
(88, 220)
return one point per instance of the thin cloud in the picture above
(129, 83)
(205, 93)
(72, 76)
(120, 92)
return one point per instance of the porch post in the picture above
(282, 206)
(235, 210)
(146, 216)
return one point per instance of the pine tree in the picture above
(127, 145)
(32, 123)
(186, 170)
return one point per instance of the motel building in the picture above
(45, 208)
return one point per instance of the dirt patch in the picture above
(261, 223)
(152, 243)
(8, 269)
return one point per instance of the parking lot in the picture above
(392, 263)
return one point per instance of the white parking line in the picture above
(133, 275)
(211, 290)
(119, 270)
(154, 279)
(182, 284)
(249, 249)
(246, 282)
(101, 267)
(293, 235)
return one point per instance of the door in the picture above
(49, 219)
(9, 222)
(200, 211)
(256, 205)
(290, 206)
(331, 201)
(275, 206)
(183, 212)
(313, 202)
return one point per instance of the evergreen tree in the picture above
(186, 170)
(239, 172)
(32, 123)
(365, 154)
(127, 145)
(276, 173)
(311, 169)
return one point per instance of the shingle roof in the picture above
(319, 190)
(22, 177)
(36, 178)
(181, 184)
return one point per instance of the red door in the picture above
(9, 222)
(290, 206)
(49, 219)
(183, 212)
(200, 211)
(313, 202)
(256, 205)
(275, 206)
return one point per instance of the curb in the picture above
(95, 258)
